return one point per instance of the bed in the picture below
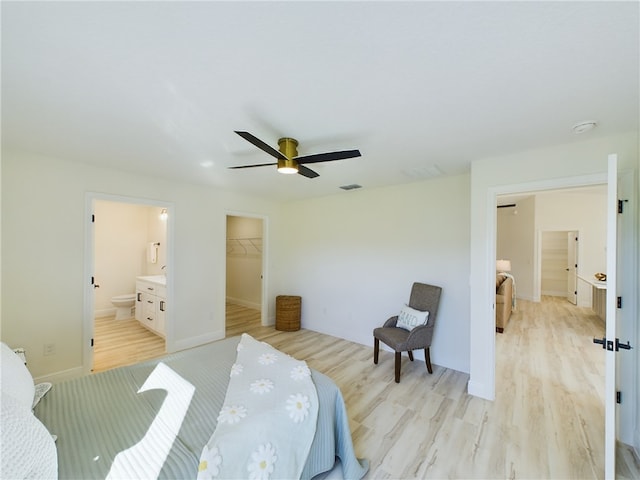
(98, 416)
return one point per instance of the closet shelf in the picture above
(244, 246)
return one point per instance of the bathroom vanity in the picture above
(151, 302)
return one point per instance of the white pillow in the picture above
(28, 450)
(410, 318)
(15, 379)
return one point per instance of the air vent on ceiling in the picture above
(353, 186)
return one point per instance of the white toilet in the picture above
(124, 305)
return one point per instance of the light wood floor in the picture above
(123, 342)
(546, 421)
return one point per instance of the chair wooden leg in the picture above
(427, 360)
(410, 355)
(376, 349)
(398, 362)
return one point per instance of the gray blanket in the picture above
(97, 416)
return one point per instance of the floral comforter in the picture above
(268, 419)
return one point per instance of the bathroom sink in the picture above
(159, 279)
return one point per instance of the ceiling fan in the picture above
(287, 156)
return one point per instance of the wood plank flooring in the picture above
(547, 420)
(123, 342)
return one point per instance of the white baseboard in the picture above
(529, 298)
(555, 293)
(244, 303)
(105, 312)
(62, 376)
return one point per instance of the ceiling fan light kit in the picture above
(287, 166)
(288, 147)
(288, 159)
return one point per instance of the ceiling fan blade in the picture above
(328, 157)
(251, 166)
(261, 145)
(307, 172)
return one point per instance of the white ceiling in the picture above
(418, 87)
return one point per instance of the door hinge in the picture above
(93, 218)
(92, 342)
(621, 205)
(619, 302)
(618, 397)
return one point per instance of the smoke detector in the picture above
(583, 127)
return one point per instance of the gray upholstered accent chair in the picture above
(424, 298)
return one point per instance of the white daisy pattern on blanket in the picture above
(262, 462)
(264, 385)
(300, 372)
(232, 414)
(210, 462)
(236, 369)
(267, 358)
(298, 407)
(271, 406)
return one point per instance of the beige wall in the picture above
(518, 238)
(354, 256)
(43, 245)
(585, 213)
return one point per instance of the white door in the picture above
(572, 267)
(626, 325)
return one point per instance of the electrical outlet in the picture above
(49, 349)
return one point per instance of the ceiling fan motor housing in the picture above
(289, 150)
(288, 146)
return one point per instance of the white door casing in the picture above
(572, 267)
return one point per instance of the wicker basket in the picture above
(288, 313)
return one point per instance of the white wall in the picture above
(43, 231)
(353, 257)
(551, 167)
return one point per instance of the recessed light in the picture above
(585, 126)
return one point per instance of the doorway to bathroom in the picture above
(129, 242)
(244, 273)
